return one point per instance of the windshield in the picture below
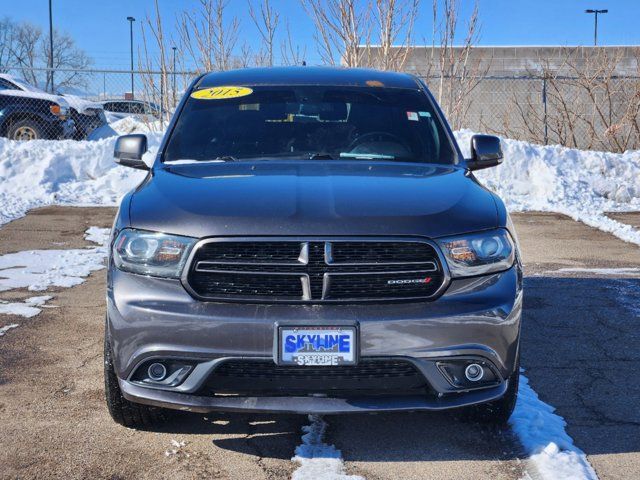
(311, 122)
(27, 87)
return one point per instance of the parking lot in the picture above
(579, 351)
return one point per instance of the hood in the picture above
(29, 91)
(80, 104)
(41, 95)
(312, 199)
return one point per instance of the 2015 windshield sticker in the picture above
(221, 93)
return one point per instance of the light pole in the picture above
(51, 46)
(131, 20)
(174, 75)
(595, 28)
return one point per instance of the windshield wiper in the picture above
(367, 156)
(321, 156)
(289, 155)
(191, 161)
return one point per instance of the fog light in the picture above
(474, 372)
(157, 372)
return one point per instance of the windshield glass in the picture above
(311, 122)
(27, 87)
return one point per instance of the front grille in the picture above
(314, 271)
(380, 376)
(380, 252)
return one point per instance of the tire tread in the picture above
(124, 412)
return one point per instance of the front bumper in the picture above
(57, 129)
(305, 405)
(156, 318)
(85, 124)
(63, 129)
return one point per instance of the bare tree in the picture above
(25, 51)
(155, 86)
(457, 75)
(267, 23)
(395, 20)
(292, 53)
(588, 104)
(24, 46)
(7, 42)
(342, 27)
(208, 36)
(68, 61)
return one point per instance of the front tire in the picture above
(25, 130)
(124, 412)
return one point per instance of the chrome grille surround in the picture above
(309, 265)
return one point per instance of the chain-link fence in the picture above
(588, 113)
(86, 103)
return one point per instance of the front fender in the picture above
(11, 111)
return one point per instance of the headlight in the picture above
(150, 253)
(478, 253)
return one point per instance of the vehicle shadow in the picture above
(269, 436)
(393, 437)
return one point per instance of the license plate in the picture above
(317, 346)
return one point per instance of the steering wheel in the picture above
(368, 137)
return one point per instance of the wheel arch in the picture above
(18, 116)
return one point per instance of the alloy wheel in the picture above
(25, 133)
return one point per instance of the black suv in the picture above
(32, 115)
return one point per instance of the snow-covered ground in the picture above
(28, 308)
(318, 461)
(37, 270)
(578, 183)
(542, 434)
(123, 126)
(42, 172)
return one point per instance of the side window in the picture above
(137, 108)
(120, 107)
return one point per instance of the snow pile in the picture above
(97, 235)
(123, 126)
(37, 270)
(6, 328)
(44, 172)
(318, 461)
(27, 309)
(542, 434)
(579, 183)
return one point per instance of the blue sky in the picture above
(101, 29)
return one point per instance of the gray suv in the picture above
(311, 240)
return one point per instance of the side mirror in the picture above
(485, 152)
(129, 150)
